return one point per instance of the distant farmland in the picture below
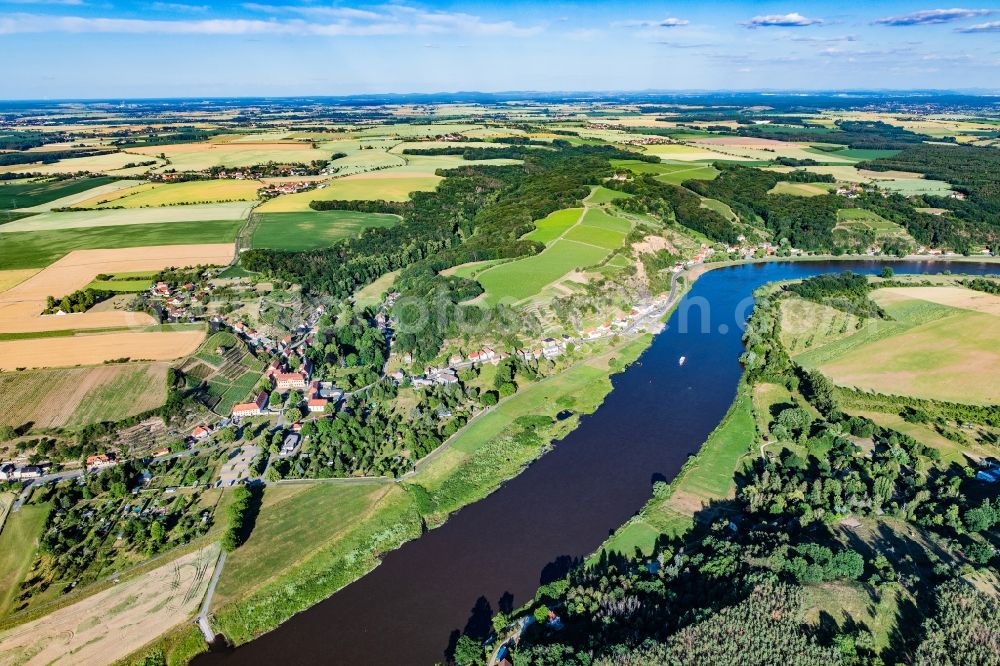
(314, 229)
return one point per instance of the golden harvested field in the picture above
(109, 625)
(56, 352)
(173, 194)
(12, 278)
(956, 297)
(21, 305)
(374, 185)
(77, 396)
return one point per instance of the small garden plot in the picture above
(109, 525)
(226, 394)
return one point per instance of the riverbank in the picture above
(449, 482)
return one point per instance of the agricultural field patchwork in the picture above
(37, 249)
(42, 193)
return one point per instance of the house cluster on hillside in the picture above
(11, 472)
(101, 461)
(183, 303)
(285, 188)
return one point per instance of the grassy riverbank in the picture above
(705, 479)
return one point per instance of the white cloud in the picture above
(932, 16)
(65, 3)
(179, 7)
(990, 26)
(395, 20)
(669, 22)
(792, 20)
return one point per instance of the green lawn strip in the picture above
(311, 230)
(17, 549)
(35, 249)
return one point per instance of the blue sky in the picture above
(114, 48)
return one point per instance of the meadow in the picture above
(945, 350)
(314, 229)
(54, 398)
(554, 225)
(801, 189)
(36, 249)
(524, 278)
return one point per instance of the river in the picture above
(492, 555)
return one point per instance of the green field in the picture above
(307, 516)
(854, 153)
(371, 294)
(602, 195)
(554, 225)
(17, 549)
(27, 195)
(41, 248)
(521, 279)
(125, 283)
(801, 189)
(674, 174)
(92, 219)
(315, 229)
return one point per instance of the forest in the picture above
(807, 222)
